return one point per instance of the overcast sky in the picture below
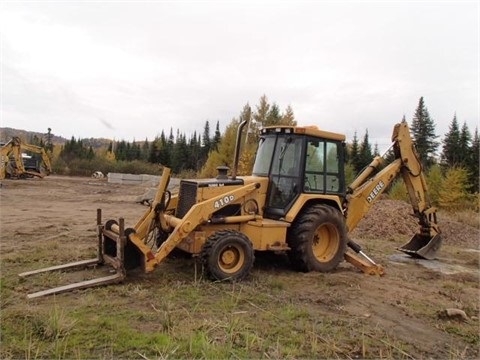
(127, 70)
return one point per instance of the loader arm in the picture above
(198, 214)
(367, 187)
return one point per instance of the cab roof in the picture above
(311, 130)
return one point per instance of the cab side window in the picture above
(322, 167)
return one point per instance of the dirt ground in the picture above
(52, 220)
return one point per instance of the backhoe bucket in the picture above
(422, 246)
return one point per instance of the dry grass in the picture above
(175, 313)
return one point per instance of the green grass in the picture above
(175, 313)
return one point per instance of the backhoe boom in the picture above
(372, 182)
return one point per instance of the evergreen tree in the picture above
(154, 151)
(75, 149)
(180, 154)
(194, 149)
(121, 150)
(465, 140)
(473, 164)
(165, 149)
(217, 137)
(354, 156)
(423, 130)
(206, 141)
(273, 116)
(365, 155)
(451, 144)
(145, 150)
(90, 154)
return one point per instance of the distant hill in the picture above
(7, 133)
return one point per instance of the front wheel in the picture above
(318, 239)
(228, 255)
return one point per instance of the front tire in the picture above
(228, 255)
(318, 239)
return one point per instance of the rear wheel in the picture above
(228, 255)
(317, 239)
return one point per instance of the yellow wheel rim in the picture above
(326, 241)
(231, 259)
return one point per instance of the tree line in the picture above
(200, 153)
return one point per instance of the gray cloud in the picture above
(150, 66)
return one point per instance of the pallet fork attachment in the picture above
(117, 262)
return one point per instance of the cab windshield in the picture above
(264, 156)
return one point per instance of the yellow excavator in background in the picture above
(296, 201)
(15, 166)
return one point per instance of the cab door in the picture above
(286, 179)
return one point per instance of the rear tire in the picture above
(228, 255)
(318, 239)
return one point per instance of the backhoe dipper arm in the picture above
(365, 190)
(360, 198)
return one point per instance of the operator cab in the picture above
(299, 160)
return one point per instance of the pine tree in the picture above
(145, 150)
(423, 130)
(194, 149)
(75, 149)
(206, 141)
(354, 156)
(365, 155)
(451, 144)
(473, 164)
(465, 140)
(165, 150)
(154, 151)
(273, 116)
(180, 154)
(216, 137)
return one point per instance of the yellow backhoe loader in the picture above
(296, 201)
(15, 166)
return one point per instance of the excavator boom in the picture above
(11, 152)
(373, 181)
